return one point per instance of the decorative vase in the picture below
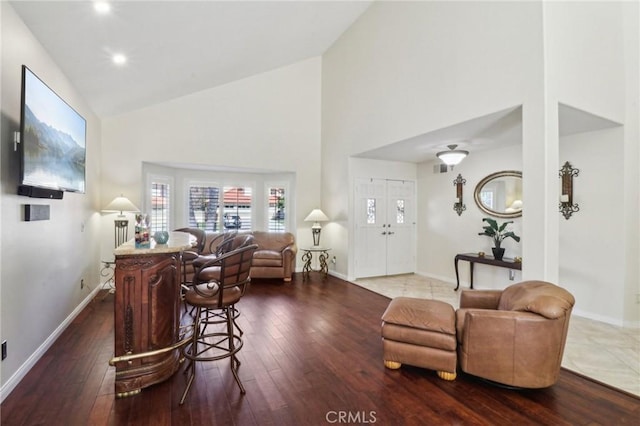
(497, 253)
(161, 237)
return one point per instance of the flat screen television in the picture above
(53, 142)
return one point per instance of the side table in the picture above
(487, 260)
(307, 257)
(108, 271)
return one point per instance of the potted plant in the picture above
(498, 233)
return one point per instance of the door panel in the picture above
(370, 213)
(385, 227)
(400, 227)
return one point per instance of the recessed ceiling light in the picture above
(102, 6)
(119, 59)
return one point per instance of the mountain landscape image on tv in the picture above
(53, 139)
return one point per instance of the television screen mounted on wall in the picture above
(53, 142)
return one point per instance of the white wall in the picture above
(591, 63)
(591, 243)
(44, 261)
(443, 234)
(408, 68)
(631, 206)
(585, 56)
(270, 121)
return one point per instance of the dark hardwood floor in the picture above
(312, 356)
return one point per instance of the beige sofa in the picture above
(274, 258)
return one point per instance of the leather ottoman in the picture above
(422, 333)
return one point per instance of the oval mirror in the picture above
(500, 194)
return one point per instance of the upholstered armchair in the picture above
(514, 336)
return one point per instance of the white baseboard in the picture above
(17, 377)
(631, 324)
(442, 278)
(599, 318)
(330, 272)
(338, 275)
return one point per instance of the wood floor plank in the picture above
(312, 356)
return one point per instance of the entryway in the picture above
(385, 226)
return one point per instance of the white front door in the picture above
(384, 227)
(401, 227)
(370, 238)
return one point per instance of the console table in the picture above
(147, 313)
(307, 256)
(487, 260)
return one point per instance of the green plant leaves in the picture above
(497, 232)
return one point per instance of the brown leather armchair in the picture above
(275, 256)
(514, 336)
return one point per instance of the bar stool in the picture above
(218, 246)
(189, 256)
(214, 299)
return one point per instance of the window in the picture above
(399, 211)
(160, 205)
(487, 197)
(276, 209)
(201, 199)
(204, 207)
(236, 212)
(371, 211)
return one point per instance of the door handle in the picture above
(391, 233)
(384, 233)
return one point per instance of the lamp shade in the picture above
(120, 204)
(316, 215)
(516, 206)
(453, 156)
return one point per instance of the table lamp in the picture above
(121, 204)
(316, 216)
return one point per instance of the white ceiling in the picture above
(491, 131)
(179, 47)
(175, 48)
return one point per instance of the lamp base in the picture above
(316, 236)
(121, 231)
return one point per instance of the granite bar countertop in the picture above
(178, 241)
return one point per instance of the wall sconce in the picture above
(567, 208)
(458, 206)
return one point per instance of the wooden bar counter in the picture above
(147, 313)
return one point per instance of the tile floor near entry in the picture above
(604, 352)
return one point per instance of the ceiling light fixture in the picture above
(119, 59)
(453, 156)
(102, 7)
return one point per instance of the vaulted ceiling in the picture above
(174, 48)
